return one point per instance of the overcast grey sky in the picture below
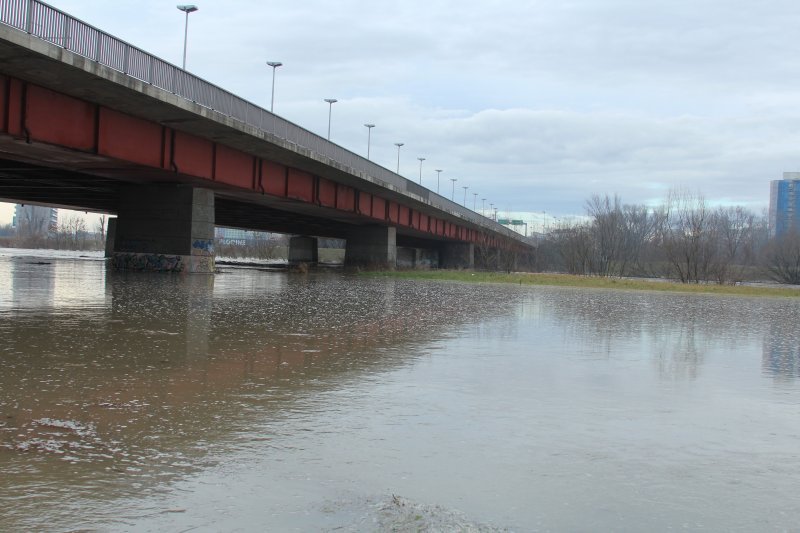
(535, 105)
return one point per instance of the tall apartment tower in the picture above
(784, 204)
(35, 220)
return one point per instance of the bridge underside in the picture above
(59, 187)
(77, 134)
(109, 189)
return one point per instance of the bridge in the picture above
(90, 122)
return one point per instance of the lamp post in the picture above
(421, 159)
(438, 173)
(369, 136)
(495, 214)
(398, 155)
(453, 194)
(274, 65)
(188, 8)
(474, 200)
(330, 101)
(465, 187)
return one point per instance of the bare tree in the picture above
(574, 245)
(734, 232)
(72, 233)
(100, 231)
(607, 235)
(782, 258)
(685, 236)
(486, 257)
(641, 225)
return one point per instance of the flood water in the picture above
(267, 401)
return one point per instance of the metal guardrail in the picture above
(49, 24)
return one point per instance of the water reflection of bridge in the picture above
(174, 356)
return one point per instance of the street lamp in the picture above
(465, 187)
(189, 8)
(330, 101)
(421, 159)
(438, 173)
(274, 65)
(398, 155)
(453, 194)
(369, 136)
(474, 200)
(495, 214)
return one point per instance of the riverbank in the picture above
(595, 282)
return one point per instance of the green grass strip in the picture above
(594, 282)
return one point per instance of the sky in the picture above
(533, 105)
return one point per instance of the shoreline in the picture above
(590, 282)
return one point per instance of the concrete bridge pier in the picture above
(417, 258)
(458, 255)
(111, 233)
(371, 247)
(165, 228)
(303, 249)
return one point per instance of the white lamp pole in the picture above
(369, 136)
(274, 65)
(330, 101)
(438, 174)
(186, 9)
(421, 159)
(398, 155)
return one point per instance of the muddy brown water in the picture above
(270, 401)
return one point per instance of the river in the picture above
(256, 400)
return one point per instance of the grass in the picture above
(594, 282)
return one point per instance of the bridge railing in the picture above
(52, 25)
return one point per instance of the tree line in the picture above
(71, 233)
(682, 239)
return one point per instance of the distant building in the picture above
(34, 220)
(784, 204)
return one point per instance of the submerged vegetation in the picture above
(596, 282)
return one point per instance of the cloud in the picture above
(535, 103)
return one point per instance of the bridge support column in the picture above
(458, 255)
(165, 228)
(111, 234)
(303, 250)
(372, 247)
